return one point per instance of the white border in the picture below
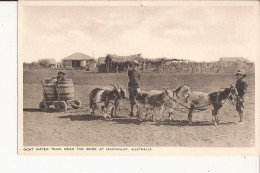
(10, 162)
(198, 151)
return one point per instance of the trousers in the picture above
(240, 104)
(133, 92)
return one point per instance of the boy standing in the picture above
(133, 84)
(241, 87)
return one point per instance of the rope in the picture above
(231, 102)
(177, 109)
(181, 104)
(199, 108)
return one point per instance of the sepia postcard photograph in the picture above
(138, 78)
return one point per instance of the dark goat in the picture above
(105, 96)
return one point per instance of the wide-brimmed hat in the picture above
(135, 62)
(241, 71)
(61, 72)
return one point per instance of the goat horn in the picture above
(113, 85)
(165, 89)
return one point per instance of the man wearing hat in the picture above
(60, 75)
(133, 84)
(241, 87)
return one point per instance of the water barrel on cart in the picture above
(65, 89)
(49, 86)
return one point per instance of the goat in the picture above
(104, 96)
(155, 98)
(216, 99)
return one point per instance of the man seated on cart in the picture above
(54, 89)
(61, 75)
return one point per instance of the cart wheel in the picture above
(43, 106)
(62, 106)
(77, 104)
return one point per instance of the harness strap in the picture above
(202, 106)
(231, 102)
(182, 104)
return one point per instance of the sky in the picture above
(197, 33)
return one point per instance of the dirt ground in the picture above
(76, 127)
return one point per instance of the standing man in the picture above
(133, 84)
(241, 87)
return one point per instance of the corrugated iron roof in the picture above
(233, 59)
(123, 59)
(101, 60)
(78, 56)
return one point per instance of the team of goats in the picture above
(108, 100)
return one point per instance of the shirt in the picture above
(134, 78)
(241, 87)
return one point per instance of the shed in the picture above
(233, 61)
(79, 61)
(101, 60)
(59, 64)
(116, 63)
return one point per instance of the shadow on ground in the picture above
(84, 117)
(31, 110)
(135, 121)
(89, 117)
(127, 121)
(50, 110)
(181, 123)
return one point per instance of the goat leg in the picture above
(92, 108)
(138, 113)
(215, 113)
(190, 115)
(214, 117)
(170, 116)
(161, 111)
(102, 111)
(116, 104)
(111, 111)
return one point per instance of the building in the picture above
(79, 61)
(59, 64)
(233, 61)
(101, 60)
(101, 66)
(231, 64)
(115, 63)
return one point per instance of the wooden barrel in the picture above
(65, 89)
(49, 86)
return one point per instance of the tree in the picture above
(44, 63)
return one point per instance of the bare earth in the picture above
(76, 127)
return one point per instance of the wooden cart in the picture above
(59, 94)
